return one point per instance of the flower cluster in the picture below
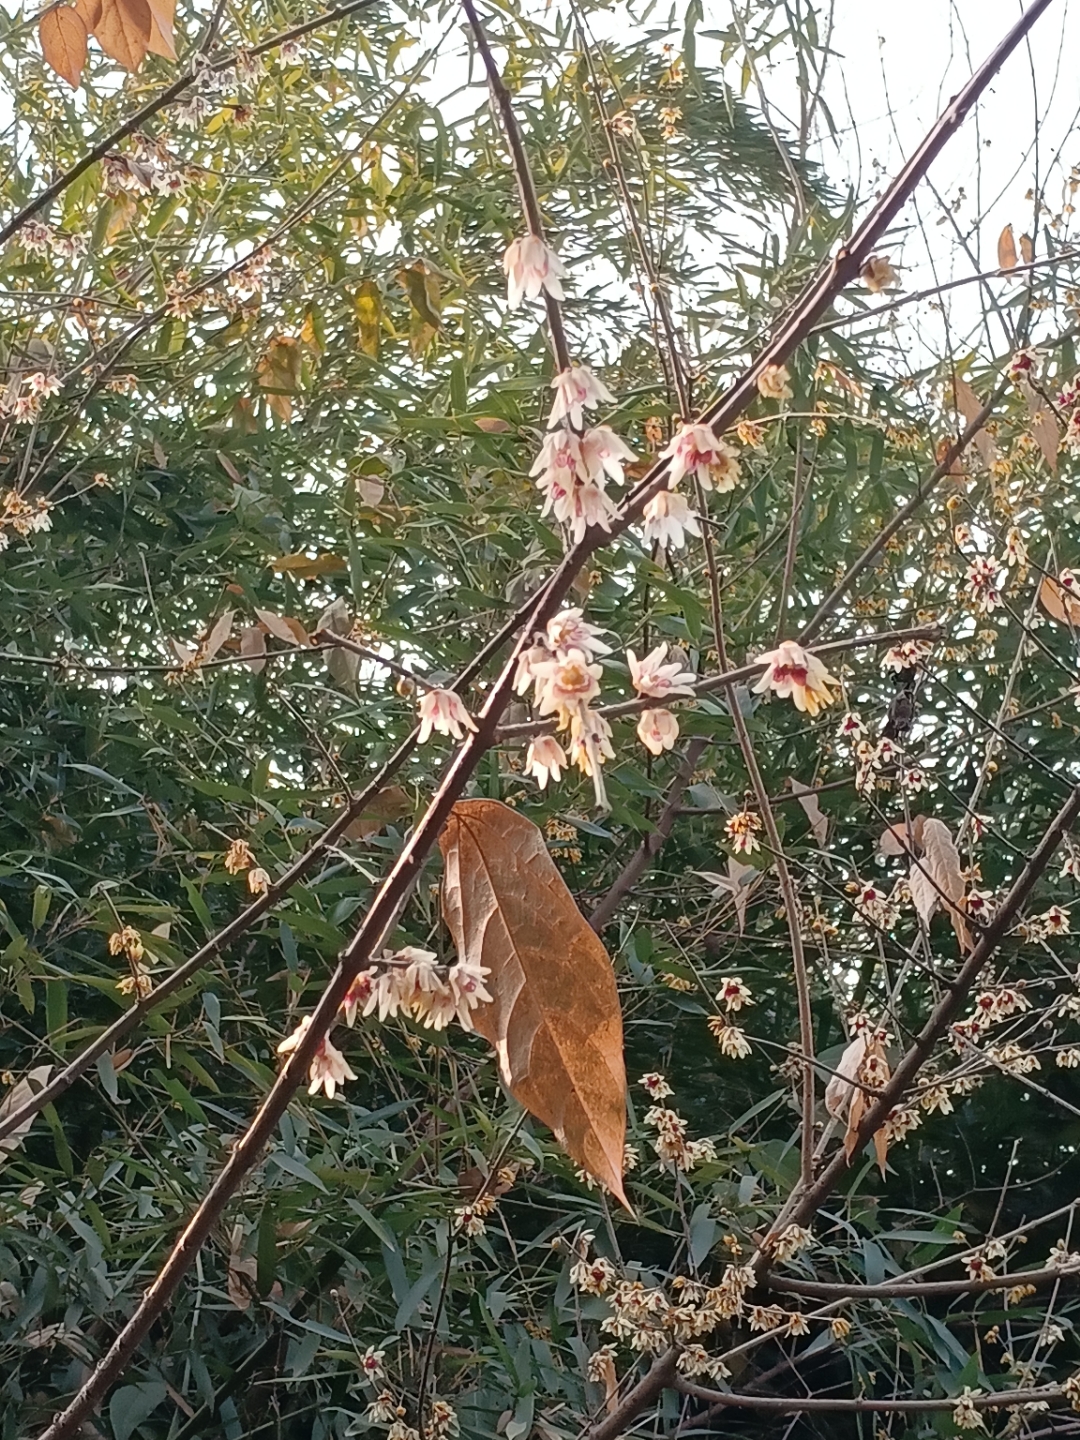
(742, 830)
(442, 710)
(407, 982)
(695, 450)
(671, 1144)
(658, 728)
(983, 594)
(563, 669)
(22, 517)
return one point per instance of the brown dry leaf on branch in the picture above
(63, 34)
(937, 878)
(1059, 604)
(22, 1091)
(391, 803)
(1006, 248)
(555, 1021)
(1045, 430)
(970, 406)
(123, 30)
(864, 1060)
(819, 821)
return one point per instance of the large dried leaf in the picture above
(123, 31)
(421, 284)
(1027, 249)
(307, 567)
(554, 1020)
(62, 31)
(253, 647)
(163, 18)
(23, 1090)
(1006, 248)
(1059, 604)
(739, 882)
(219, 633)
(240, 1280)
(970, 406)
(1045, 430)
(343, 665)
(937, 879)
(278, 374)
(819, 821)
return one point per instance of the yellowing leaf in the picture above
(554, 1020)
(421, 284)
(1059, 604)
(62, 31)
(304, 567)
(278, 374)
(122, 211)
(123, 31)
(1006, 248)
(369, 308)
(22, 1091)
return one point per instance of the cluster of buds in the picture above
(731, 1038)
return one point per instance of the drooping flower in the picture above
(566, 684)
(238, 857)
(668, 520)
(733, 993)
(328, 1069)
(258, 880)
(877, 274)
(357, 996)
(796, 673)
(742, 830)
(657, 730)
(590, 746)
(586, 504)
(442, 710)
(603, 453)
(569, 631)
(577, 389)
(697, 450)
(652, 677)
(532, 266)
(545, 760)
(559, 462)
(773, 383)
(655, 1085)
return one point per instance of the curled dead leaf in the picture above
(819, 821)
(253, 647)
(554, 1020)
(1006, 249)
(1059, 604)
(283, 627)
(23, 1090)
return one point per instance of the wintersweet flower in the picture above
(531, 266)
(668, 520)
(877, 274)
(568, 631)
(467, 990)
(652, 677)
(527, 661)
(566, 684)
(602, 454)
(559, 462)
(443, 711)
(773, 383)
(357, 996)
(796, 673)
(590, 746)
(583, 505)
(657, 730)
(697, 450)
(577, 389)
(328, 1069)
(545, 760)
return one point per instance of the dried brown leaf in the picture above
(839, 1091)
(343, 665)
(1045, 430)
(1059, 604)
(1027, 249)
(819, 821)
(62, 31)
(240, 1280)
(278, 374)
(253, 647)
(942, 860)
(1006, 249)
(22, 1091)
(163, 16)
(371, 490)
(90, 10)
(555, 1020)
(123, 31)
(970, 406)
(219, 632)
(392, 803)
(491, 424)
(283, 627)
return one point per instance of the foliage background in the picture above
(355, 423)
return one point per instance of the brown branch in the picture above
(897, 1289)
(650, 847)
(782, 1404)
(658, 1377)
